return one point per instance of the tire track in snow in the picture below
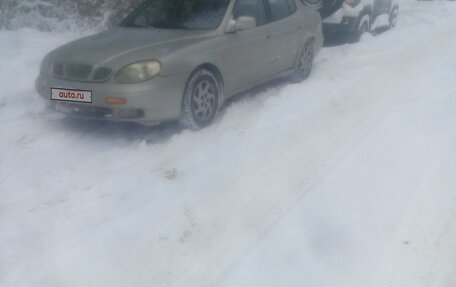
(404, 62)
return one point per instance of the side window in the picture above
(279, 9)
(252, 8)
(292, 6)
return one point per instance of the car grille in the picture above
(81, 72)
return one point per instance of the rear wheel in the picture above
(393, 18)
(305, 62)
(363, 27)
(201, 100)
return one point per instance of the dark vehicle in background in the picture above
(352, 18)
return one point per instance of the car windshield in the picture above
(178, 14)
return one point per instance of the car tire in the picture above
(201, 98)
(304, 62)
(393, 18)
(363, 27)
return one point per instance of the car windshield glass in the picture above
(178, 14)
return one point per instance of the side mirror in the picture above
(243, 23)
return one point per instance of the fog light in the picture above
(115, 101)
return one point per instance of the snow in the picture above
(346, 179)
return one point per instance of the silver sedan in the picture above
(180, 60)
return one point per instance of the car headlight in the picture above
(138, 72)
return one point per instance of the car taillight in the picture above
(352, 3)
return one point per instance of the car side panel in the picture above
(287, 36)
(247, 57)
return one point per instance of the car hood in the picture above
(121, 46)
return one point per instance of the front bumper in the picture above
(151, 102)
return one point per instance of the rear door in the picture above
(286, 32)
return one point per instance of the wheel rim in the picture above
(305, 60)
(393, 19)
(204, 100)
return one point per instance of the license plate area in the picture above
(69, 95)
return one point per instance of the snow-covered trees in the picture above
(59, 15)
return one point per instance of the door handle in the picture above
(268, 37)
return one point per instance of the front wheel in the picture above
(305, 62)
(201, 100)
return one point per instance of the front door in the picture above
(252, 52)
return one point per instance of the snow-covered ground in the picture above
(347, 179)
